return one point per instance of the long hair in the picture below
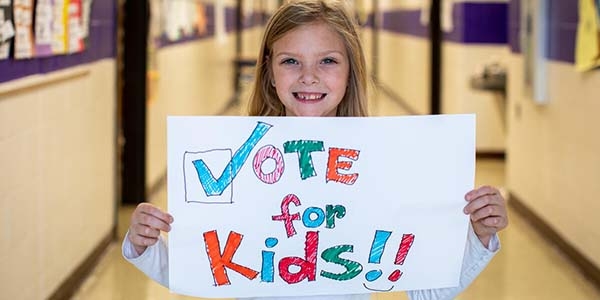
(336, 14)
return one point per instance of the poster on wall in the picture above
(23, 18)
(184, 19)
(587, 50)
(75, 32)
(43, 27)
(86, 12)
(7, 30)
(268, 206)
(60, 26)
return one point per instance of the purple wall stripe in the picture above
(474, 23)
(514, 19)
(564, 16)
(479, 23)
(101, 44)
(404, 22)
(562, 29)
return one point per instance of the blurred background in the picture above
(85, 88)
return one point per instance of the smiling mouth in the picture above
(377, 290)
(309, 96)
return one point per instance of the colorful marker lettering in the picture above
(285, 214)
(304, 149)
(267, 271)
(215, 187)
(332, 255)
(219, 261)
(264, 153)
(307, 265)
(334, 164)
(333, 212)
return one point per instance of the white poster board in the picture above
(282, 206)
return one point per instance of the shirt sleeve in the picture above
(154, 262)
(475, 260)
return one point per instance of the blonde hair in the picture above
(264, 100)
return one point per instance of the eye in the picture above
(289, 61)
(329, 60)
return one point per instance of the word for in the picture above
(304, 149)
(331, 212)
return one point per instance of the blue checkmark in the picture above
(215, 187)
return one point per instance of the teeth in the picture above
(309, 96)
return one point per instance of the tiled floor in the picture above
(527, 267)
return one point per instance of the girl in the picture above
(311, 63)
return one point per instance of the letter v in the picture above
(215, 187)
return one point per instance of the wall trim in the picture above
(39, 80)
(70, 285)
(587, 267)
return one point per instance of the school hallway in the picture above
(527, 266)
(83, 136)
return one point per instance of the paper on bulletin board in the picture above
(7, 30)
(587, 52)
(60, 11)
(44, 19)
(281, 206)
(76, 33)
(23, 22)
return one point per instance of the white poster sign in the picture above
(282, 206)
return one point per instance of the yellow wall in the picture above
(553, 161)
(57, 175)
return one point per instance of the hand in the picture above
(147, 221)
(487, 209)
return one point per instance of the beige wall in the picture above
(57, 180)
(460, 63)
(404, 67)
(553, 161)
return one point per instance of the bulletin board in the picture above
(43, 36)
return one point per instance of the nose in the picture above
(309, 76)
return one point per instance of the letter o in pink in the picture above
(264, 153)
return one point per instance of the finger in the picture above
(154, 222)
(142, 240)
(150, 209)
(487, 211)
(482, 202)
(479, 192)
(145, 231)
(495, 222)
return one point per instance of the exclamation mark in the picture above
(377, 248)
(378, 245)
(405, 244)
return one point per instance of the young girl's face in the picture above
(310, 70)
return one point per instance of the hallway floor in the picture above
(527, 267)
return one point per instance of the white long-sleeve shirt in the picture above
(154, 262)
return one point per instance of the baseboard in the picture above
(70, 285)
(587, 267)
(490, 155)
